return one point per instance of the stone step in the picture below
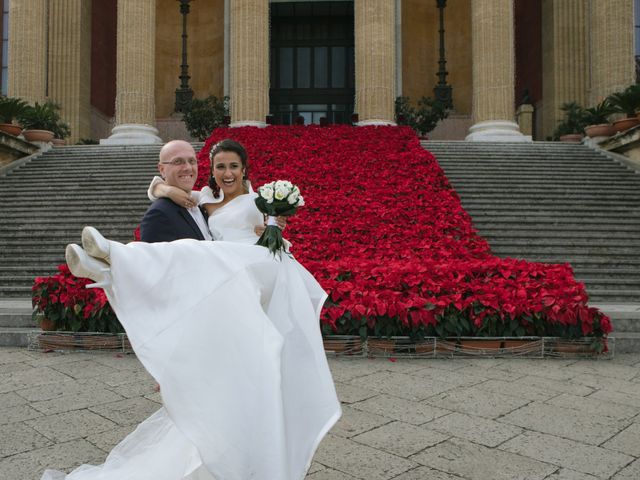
(15, 291)
(567, 188)
(596, 250)
(492, 235)
(489, 218)
(631, 245)
(552, 210)
(595, 171)
(64, 187)
(620, 272)
(612, 295)
(519, 204)
(596, 282)
(16, 313)
(16, 337)
(625, 317)
(568, 197)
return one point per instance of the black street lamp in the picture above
(442, 91)
(184, 94)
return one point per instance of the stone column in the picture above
(249, 56)
(135, 74)
(70, 63)
(612, 48)
(27, 67)
(375, 52)
(564, 59)
(493, 52)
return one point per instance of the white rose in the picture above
(283, 186)
(293, 197)
(281, 193)
(266, 192)
(300, 201)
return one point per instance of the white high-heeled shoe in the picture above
(86, 266)
(95, 244)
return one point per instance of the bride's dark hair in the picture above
(227, 145)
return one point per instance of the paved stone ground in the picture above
(450, 419)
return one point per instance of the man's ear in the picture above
(161, 170)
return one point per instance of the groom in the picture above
(165, 220)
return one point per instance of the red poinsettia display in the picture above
(65, 302)
(386, 235)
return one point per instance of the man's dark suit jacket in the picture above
(165, 221)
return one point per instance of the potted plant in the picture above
(39, 121)
(596, 120)
(628, 103)
(571, 128)
(10, 109)
(61, 302)
(422, 118)
(61, 132)
(205, 115)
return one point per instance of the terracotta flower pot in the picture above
(572, 137)
(600, 130)
(59, 142)
(381, 346)
(522, 346)
(47, 325)
(625, 124)
(342, 345)
(37, 135)
(567, 347)
(11, 129)
(478, 345)
(57, 341)
(426, 347)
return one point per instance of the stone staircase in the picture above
(541, 201)
(47, 200)
(553, 202)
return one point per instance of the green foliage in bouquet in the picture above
(280, 198)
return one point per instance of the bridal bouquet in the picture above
(280, 198)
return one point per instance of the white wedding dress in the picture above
(231, 334)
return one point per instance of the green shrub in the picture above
(424, 117)
(206, 115)
(11, 108)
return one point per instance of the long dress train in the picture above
(231, 334)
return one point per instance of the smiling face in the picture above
(229, 172)
(178, 165)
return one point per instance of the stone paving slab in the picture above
(600, 462)
(480, 430)
(429, 419)
(401, 439)
(565, 422)
(630, 472)
(475, 462)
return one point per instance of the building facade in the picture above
(114, 65)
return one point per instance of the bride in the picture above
(230, 333)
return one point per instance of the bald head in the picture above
(178, 165)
